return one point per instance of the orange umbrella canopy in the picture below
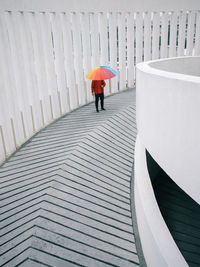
(101, 73)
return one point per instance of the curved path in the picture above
(65, 195)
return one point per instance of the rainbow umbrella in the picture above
(101, 73)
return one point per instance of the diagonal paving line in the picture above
(70, 213)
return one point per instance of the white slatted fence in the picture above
(45, 56)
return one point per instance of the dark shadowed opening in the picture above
(180, 212)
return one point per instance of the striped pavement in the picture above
(65, 194)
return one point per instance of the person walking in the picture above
(97, 88)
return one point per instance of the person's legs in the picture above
(102, 101)
(96, 102)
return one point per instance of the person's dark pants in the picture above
(101, 96)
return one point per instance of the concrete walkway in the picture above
(65, 195)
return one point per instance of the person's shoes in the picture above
(97, 110)
(103, 109)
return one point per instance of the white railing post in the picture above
(30, 71)
(190, 34)
(113, 48)
(103, 42)
(121, 39)
(130, 48)
(94, 29)
(147, 36)
(139, 37)
(21, 56)
(40, 72)
(13, 71)
(7, 108)
(78, 57)
(197, 35)
(3, 151)
(156, 35)
(58, 77)
(47, 38)
(173, 34)
(164, 35)
(86, 52)
(69, 60)
(103, 34)
(181, 34)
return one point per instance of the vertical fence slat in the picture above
(62, 92)
(147, 36)
(8, 144)
(121, 38)
(130, 48)
(197, 35)
(156, 35)
(30, 86)
(103, 39)
(78, 57)
(47, 43)
(103, 42)
(164, 35)
(69, 60)
(15, 92)
(30, 67)
(59, 82)
(14, 132)
(94, 29)
(20, 44)
(41, 67)
(86, 52)
(181, 33)
(113, 47)
(40, 70)
(173, 35)
(190, 34)
(139, 37)
(3, 152)
(7, 106)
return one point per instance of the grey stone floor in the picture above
(65, 195)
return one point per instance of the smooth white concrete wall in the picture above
(168, 120)
(158, 246)
(183, 65)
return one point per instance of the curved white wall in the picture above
(167, 100)
(168, 118)
(158, 246)
(181, 65)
